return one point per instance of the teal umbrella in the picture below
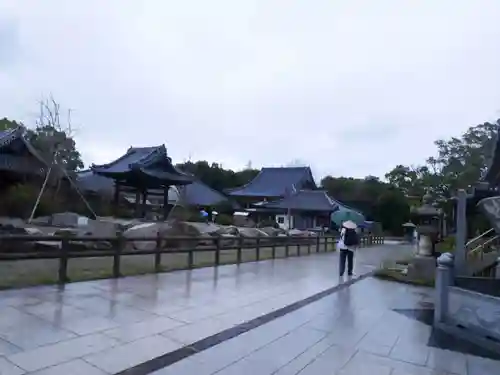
(342, 215)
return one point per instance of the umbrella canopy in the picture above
(338, 217)
(408, 225)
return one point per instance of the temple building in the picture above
(19, 161)
(301, 209)
(272, 184)
(143, 170)
(195, 194)
(289, 196)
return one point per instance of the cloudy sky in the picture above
(350, 87)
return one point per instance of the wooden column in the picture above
(166, 209)
(137, 203)
(144, 199)
(116, 197)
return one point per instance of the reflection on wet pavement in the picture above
(109, 326)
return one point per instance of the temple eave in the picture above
(144, 179)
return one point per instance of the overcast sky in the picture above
(350, 87)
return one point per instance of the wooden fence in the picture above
(63, 248)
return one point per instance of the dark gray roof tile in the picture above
(306, 200)
(275, 182)
(152, 162)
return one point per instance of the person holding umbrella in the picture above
(349, 240)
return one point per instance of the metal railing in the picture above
(63, 248)
(486, 246)
(481, 236)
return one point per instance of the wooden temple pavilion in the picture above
(143, 169)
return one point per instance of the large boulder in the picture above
(166, 231)
(272, 231)
(68, 219)
(228, 229)
(300, 233)
(144, 230)
(228, 240)
(250, 235)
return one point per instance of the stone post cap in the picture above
(445, 260)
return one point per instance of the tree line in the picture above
(459, 162)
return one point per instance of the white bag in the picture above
(340, 242)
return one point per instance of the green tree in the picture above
(460, 162)
(392, 209)
(379, 201)
(52, 139)
(217, 177)
(56, 146)
(6, 124)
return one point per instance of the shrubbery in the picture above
(19, 200)
(268, 223)
(224, 219)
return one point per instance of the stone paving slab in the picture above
(111, 325)
(356, 331)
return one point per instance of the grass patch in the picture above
(22, 273)
(393, 275)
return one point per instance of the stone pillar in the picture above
(461, 232)
(425, 245)
(444, 279)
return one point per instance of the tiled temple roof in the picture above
(275, 182)
(146, 165)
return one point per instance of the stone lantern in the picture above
(428, 221)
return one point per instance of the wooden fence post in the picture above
(326, 244)
(120, 242)
(190, 259)
(217, 250)
(273, 249)
(317, 243)
(238, 251)
(299, 245)
(309, 246)
(63, 261)
(287, 250)
(257, 249)
(158, 253)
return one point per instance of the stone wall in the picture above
(465, 313)
(475, 311)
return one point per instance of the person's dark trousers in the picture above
(349, 256)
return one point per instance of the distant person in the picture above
(348, 242)
(204, 215)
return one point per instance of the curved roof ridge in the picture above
(247, 184)
(130, 151)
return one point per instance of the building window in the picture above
(281, 220)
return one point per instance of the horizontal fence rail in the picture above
(66, 247)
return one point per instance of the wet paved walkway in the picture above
(109, 326)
